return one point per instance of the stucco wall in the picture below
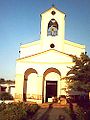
(40, 56)
(57, 40)
(73, 48)
(34, 82)
(30, 49)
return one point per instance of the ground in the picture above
(51, 112)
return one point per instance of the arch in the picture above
(52, 27)
(26, 74)
(49, 70)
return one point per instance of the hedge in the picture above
(6, 96)
(17, 111)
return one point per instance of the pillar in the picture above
(19, 83)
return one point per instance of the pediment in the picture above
(49, 56)
(52, 8)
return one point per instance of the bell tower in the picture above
(52, 29)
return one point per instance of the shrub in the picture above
(76, 113)
(33, 109)
(17, 111)
(6, 96)
(79, 112)
(2, 106)
(67, 110)
(13, 113)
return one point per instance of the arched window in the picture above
(52, 28)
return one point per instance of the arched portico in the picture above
(30, 76)
(51, 83)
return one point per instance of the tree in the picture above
(2, 80)
(78, 78)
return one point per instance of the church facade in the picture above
(43, 63)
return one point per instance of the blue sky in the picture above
(20, 23)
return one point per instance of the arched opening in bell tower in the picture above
(52, 28)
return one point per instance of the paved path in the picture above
(41, 112)
(51, 114)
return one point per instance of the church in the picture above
(43, 63)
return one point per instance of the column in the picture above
(19, 87)
(40, 87)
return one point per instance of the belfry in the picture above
(43, 63)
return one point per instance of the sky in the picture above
(20, 24)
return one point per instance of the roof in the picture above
(53, 7)
(74, 44)
(45, 52)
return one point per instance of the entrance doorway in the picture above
(51, 89)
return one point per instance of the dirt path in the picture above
(51, 114)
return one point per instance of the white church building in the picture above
(43, 63)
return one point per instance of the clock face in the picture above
(52, 27)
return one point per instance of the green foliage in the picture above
(79, 112)
(76, 112)
(6, 96)
(3, 81)
(2, 106)
(17, 111)
(13, 113)
(78, 78)
(67, 110)
(33, 109)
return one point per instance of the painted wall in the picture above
(29, 49)
(73, 48)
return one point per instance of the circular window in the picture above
(53, 12)
(52, 45)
